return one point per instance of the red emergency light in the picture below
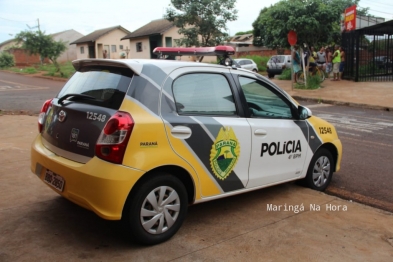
(197, 51)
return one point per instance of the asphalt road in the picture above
(25, 94)
(367, 138)
(366, 135)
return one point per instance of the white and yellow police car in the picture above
(140, 140)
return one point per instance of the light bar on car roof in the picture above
(197, 51)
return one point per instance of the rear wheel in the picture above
(320, 171)
(156, 210)
(270, 75)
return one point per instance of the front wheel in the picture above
(156, 210)
(320, 170)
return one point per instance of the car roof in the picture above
(238, 59)
(137, 65)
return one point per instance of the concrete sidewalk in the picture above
(375, 95)
(38, 225)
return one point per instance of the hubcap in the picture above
(321, 171)
(160, 210)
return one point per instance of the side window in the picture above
(203, 94)
(247, 62)
(262, 102)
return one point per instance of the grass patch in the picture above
(313, 82)
(286, 74)
(47, 70)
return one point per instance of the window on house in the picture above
(168, 41)
(113, 48)
(82, 49)
(121, 47)
(139, 47)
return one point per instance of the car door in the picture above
(279, 141)
(201, 116)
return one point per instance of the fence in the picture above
(369, 53)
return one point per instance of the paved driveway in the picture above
(38, 225)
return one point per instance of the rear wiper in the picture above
(76, 96)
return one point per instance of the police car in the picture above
(141, 140)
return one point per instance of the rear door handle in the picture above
(181, 132)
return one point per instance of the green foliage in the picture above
(29, 70)
(205, 18)
(259, 60)
(6, 60)
(48, 70)
(286, 74)
(313, 82)
(41, 44)
(316, 22)
(245, 32)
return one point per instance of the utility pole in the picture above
(37, 26)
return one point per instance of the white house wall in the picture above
(71, 50)
(79, 53)
(145, 54)
(112, 38)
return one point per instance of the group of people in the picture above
(328, 59)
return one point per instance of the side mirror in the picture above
(304, 112)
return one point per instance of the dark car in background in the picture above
(382, 62)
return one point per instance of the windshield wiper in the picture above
(81, 96)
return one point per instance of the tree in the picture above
(6, 60)
(316, 22)
(205, 18)
(244, 33)
(37, 43)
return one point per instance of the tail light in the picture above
(112, 143)
(41, 116)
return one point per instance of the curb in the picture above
(340, 103)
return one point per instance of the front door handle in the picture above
(260, 132)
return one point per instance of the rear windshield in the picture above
(277, 59)
(108, 85)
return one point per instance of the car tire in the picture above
(147, 217)
(320, 170)
(255, 71)
(270, 75)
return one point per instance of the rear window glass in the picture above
(108, 85)
(277, 59)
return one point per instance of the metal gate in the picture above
(369, 53)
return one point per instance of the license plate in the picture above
(54, 180)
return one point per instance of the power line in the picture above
(379, 3)
(15, 20)
(378, 11)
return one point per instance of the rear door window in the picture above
(203, 94)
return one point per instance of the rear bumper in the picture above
(98, 185)
(274, 71)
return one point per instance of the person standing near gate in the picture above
(342, 63)
(336, 63)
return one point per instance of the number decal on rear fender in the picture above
(95, 116)
(325, 130)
